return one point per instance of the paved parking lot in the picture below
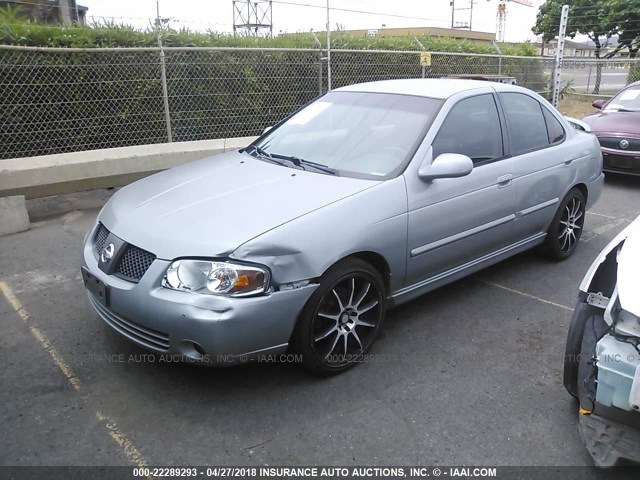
(469, 374)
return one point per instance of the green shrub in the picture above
(56, 102)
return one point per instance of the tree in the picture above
(595, 18)
(625, 14)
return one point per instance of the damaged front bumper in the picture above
(611, 441)
(192, 327)
(602, 366)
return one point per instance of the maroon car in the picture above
(617, 127)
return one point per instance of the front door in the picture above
(455, 221)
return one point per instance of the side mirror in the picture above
(266, 130)
(446, 165)
(598, 104)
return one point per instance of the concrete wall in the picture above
(73, 172)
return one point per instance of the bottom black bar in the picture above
(337, 473)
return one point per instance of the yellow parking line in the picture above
(123, 442)
(120, 438)
(528, 295)
(13, 301)
(41, 337)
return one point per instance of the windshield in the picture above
(360, 134)
(628, 99)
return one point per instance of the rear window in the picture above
(554, 127)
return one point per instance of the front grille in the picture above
(614, 143)
(99, 239)
(134, 263)
(144, 336)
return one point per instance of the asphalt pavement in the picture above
(468, 374)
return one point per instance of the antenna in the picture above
(252, 16)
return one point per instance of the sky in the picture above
(217, 15)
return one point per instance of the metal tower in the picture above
(501, 19)
(252, 16)
(501, 16)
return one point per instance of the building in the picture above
(575, 49)
(425, 31)
(49, 11)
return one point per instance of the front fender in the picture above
(585, 285)
(374, 220)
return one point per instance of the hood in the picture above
(210, 207)
(612, 123)
(629, 270)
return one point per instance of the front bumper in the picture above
(201, 328)
(610, 441)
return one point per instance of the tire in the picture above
(573, 348)
(566, 227)
(342, 319)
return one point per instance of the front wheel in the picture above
(573, 349)
(566, 227)
(342, 319)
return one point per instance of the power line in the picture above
(363, 12)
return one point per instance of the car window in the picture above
(555, 132)
(361, 134)
(471, 128)
(526, 122)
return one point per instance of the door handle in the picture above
(569, 162)
(504, 180)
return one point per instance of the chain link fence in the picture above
(590, 78)
(57, 100)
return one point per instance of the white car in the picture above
(602, 360)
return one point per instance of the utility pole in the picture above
(461, 25)
(163, 75)
(559, 54)
(328, 49)
(453, 11)
(65, 11)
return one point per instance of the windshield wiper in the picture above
(258, 152)
(302, 163)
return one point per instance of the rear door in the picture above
(545, 165)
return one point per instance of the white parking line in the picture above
(605, 216)
(528, 295)
(590, 234)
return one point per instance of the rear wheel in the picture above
(342, 319)
(566, 227)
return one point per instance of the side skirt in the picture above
(417, 289)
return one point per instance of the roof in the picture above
(426, 87)
(570, 44)
(430, 31)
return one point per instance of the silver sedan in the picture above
(366, 198)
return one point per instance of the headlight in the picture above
(216, 278)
